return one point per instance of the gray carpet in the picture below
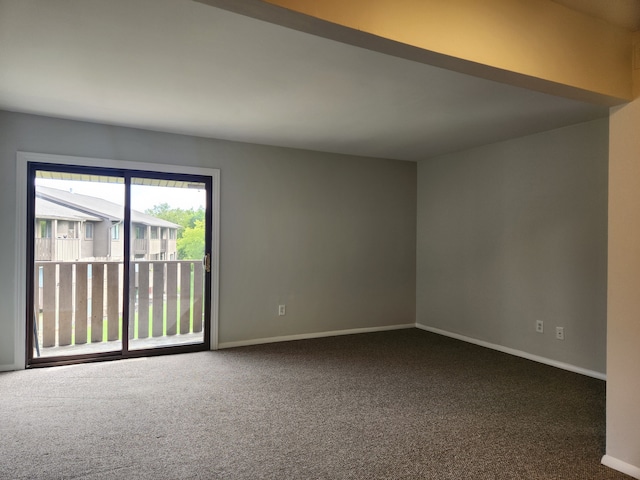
(394, 405)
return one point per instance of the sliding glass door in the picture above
(168, 263)
(120, 263)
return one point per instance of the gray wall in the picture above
(514, 232)
(506, 234)
(623, 340)
(333, 237)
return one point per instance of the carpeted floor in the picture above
(404, 404)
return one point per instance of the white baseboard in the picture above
(621, 466)
(517, 353)
(306, 336)
(8, 368)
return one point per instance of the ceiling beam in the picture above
(539, 45)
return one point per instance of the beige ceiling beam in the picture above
(536, 44)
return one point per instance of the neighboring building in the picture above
(73, 227)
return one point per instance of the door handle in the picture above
(207, 262)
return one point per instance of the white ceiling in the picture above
(184, 67)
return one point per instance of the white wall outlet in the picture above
(539, 326)
(560, 333)
(282, 310)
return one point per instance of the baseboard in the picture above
(621, 466)
(517, 353)
(306, 336)
(8, 368)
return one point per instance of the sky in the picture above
(142, 197)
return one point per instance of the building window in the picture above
(172, 234)
(154, 233)
(88, 231)
(115, 232)
(45, 228)
(140, 232)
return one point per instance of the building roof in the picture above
(48, 209)
(95, 207)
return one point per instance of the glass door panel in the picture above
(168, 241)
(78, 255)
(119, 263)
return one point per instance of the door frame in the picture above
(22, 215)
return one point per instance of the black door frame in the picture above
(127, 174)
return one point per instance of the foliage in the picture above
(180, 216)
(191, 244)
(191, 234)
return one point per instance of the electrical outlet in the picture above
(559, 333)
(539, 326)
(282, 310)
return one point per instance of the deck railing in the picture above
(60, 249)
(140, 245)
(44, 248)
(81, 302)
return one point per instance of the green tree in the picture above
(180, 216)
(191, 243)
(191, 234)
